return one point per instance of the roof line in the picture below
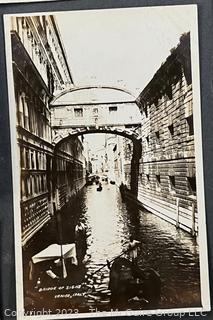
(73, 89)
(90, 103)
(52, 17)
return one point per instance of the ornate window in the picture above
(78, 112)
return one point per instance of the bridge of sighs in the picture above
(98, 109)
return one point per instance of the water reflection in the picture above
(173, 253)
(108, 226)
(110, 222)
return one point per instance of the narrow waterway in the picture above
(110, 222)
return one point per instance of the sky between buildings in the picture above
(121, 47)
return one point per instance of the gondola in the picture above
(89, 182)
(90, 179)
(129, 282)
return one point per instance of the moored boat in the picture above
(129, 282)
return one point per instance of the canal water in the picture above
(109, 223)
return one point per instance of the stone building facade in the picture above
(40, 70)
(167, 179)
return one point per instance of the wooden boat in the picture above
(90, 179)
(129, 282)
(104, 178)
(89, 182)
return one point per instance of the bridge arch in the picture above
(125, 95)
(72, 133)
(98, 109)
(136, 154)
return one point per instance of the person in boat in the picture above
(99, 187)
(80, 229)
(80, 240)
(133, 249)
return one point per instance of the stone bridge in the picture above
(98, 109)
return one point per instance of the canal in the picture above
(109, 223)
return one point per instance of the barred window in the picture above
(158, 180)
(113, 109)
(192, 185)
(157, 136)
(190, 125)
(147, 180)
(172, 183)
(171, 130)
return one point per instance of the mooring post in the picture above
(177, 212)
(193, 219)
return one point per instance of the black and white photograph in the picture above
(105, 125)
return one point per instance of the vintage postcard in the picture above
(105, 120)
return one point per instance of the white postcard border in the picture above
(203, 254)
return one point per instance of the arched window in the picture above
(37, 160)
(27, 186)
(30, 186)
(23, 187)
(22, 158)
(27, 157)
(42, 183)
(26, 114)
(32, 158)
(35, 191)
(21, 111)
(45, 162)
(45, 182)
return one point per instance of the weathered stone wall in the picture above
(167, 183)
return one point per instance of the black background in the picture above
(205, 15)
